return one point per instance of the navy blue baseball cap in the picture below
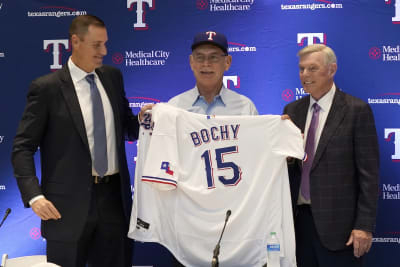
(210, 37)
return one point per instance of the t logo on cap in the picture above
(210, 35)
(212, 38)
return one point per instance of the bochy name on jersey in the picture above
(215, 133)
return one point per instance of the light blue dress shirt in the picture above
(227, 102)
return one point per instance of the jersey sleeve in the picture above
(288, 140)
(161, 163)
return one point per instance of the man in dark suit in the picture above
(79, 117)
(335, 190)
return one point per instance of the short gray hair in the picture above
(330, 56)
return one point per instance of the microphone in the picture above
(214, 262)
(8, 211)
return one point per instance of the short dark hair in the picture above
(80, 24)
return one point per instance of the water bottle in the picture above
(273, 250)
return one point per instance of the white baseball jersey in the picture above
(192, 168)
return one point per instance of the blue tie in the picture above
(310, 150)
(99, 129)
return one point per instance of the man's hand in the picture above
(144, 109)
(285, 117)
(45, 209)
(361, 241)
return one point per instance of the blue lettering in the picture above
(213, 136)
(235, 130)
(204, 135)
(215, 133)
(195, 138)
(224, 132)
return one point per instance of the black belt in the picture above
(105, 179)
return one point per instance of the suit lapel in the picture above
(301, 116)
(68, 90)
(113, 97)
(335, 117)
(302, 113)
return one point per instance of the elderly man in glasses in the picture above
(208, 61)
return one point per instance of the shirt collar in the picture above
(77, 74)
(325, 101)
(220, 97)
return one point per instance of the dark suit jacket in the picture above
(53, 121)
(345, 170)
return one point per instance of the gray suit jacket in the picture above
(345, 170)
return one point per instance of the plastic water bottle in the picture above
(273, 250)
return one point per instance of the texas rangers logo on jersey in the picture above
(165, 166)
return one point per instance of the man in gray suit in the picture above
(335, 191)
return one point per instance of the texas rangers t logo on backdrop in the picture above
(140, 12)
(389, 133)
(311, 38)
(396, 18)
(56, 51)
(235, 80)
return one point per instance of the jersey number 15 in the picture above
(221, 165)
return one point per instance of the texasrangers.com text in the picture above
(311, 6)
(57, 14)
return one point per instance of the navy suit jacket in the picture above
(344, 174)
(53, 122)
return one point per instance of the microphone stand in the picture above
(215, 262)
(8, 211)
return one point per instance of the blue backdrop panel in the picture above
(152, 49)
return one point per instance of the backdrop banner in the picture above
(149, 40)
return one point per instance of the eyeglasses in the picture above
(213, 58)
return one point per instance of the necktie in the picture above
(310, 150)
(99, 129)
